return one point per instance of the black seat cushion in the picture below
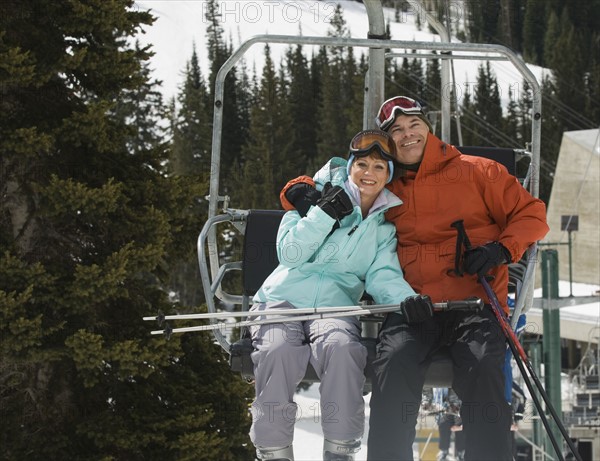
(259, 256)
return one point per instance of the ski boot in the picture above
(275, 454)
(340, 450)
(442, 456)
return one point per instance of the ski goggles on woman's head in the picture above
(389, 109)
(365, 141)
(368, 141)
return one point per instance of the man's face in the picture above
(410, 135)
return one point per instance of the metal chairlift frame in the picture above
(377, 44)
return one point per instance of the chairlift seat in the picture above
(259, 260)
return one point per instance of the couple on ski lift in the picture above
(380, 221)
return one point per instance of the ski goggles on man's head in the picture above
(367, 141)
(389, 109)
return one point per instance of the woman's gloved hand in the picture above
(417, 309)
(302, 196)
(335, 202)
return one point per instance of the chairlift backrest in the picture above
(504, 156)
(259, 255)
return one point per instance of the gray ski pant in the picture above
(282, 352)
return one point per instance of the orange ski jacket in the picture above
(450, 186)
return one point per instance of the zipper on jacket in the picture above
(318, 290)
(353, 229)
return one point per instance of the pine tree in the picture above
(352, 93)
(507, 25)
(533, 31)
(268, 149)
(550, 38)
(592, 82)
(190, 151)
(569, 71)
(91, 225)
(417, 78)
(332, 130)
(399, 81)
(488, 107)
(510, 126)
(468, 119)
(189, 162)
(525, 106)
(302, 103)
(552, 130)
(433, 85)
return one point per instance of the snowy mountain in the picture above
(181, 26)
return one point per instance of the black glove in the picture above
(481, 259)
(302, 196)
(335, 202)
(417, 309)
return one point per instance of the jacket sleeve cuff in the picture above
(285, 203)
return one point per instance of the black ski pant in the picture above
(445, 429)
(477, 347)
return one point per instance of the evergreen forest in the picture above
(103, 187)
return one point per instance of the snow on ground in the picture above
(308, 436)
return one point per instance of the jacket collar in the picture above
(437, 155)
(334, 171)
(384, 201)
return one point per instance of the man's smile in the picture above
(410, 143)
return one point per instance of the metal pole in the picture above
(551, 336)
(375, 83)
(538, 428)
(570, 267)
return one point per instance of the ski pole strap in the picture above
(495, 304)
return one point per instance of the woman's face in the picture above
(370, 174)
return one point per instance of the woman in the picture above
(341, 248)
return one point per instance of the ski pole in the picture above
(322, 313)
(474, 303)
(223, 315)
(522, 361)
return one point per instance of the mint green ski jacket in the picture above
(320, 268)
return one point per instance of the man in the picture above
(448, 421)
(440, 186)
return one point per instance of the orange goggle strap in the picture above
(285, 203)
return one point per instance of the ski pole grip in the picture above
(475, 304)
(459, 225)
